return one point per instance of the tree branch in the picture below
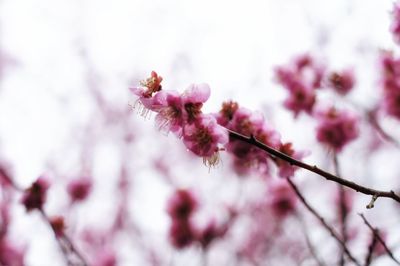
(379, 238)
(322, 220)
(343, 211)
(314, 168)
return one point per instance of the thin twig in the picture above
(322, 220)
(328, 176)
(67, 247)
(342, 208)
(372, 119)
(371, 247)
(375, 231)
(310, 246)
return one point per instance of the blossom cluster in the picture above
(181, 114)
(303, 78)
(246, 157)
(207, 134)
(391, 84)
(300, 79)
(183, 232)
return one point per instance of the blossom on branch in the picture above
(34, 197)
(336, 128)
(204, 136)
(341, 82)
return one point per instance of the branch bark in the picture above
(313, 168)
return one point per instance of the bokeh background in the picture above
(65, 70)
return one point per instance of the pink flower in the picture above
(210, 232)
(246, 122)
(169, 110)
(246, 157)
(285, 169)
(58, 225)
(149, 86)
(79, 189)
(181, 233)
(301, 98)
(391, 84)
(336, 128)
(193, 98)
(395, 27)
(281, 199)
(34, 197)
(300, 78)
(11, 255)
(204, 136)
(4, 218)
(174, 111)
(5, 178)
(105, 257)
(226, 113)
(182, 204)
(146, 100)
(341, 82)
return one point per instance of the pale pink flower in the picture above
(106, 257)
(169, 108)
(10, 254)
(193, 98)
(148, 87)
(204, 136)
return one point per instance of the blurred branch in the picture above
(309, 244)
(343, 211)
(323, 222)
(67, 247)
(313, 168)
(380, 240)
(373, 121)
(371, 247)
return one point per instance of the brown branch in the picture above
(371, 247)
(67, 247)
(309, 244)
(376, 233)
(333, 233)
(313, 168)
